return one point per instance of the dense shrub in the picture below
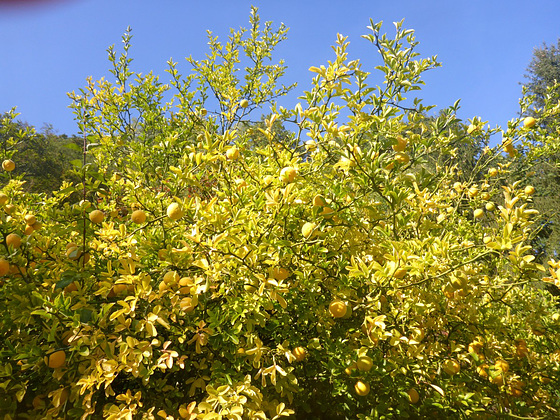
(341, 272)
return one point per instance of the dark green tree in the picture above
(543, 169)
(42, 159)
(543, 71)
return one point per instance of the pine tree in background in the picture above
(543, 76)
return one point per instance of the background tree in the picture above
(44, 159)
(542, 169)
(543, 71)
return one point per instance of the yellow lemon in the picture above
(413, 396)
(364, 363)
(299, 353)
(288, 174)
(362, 388)
(451, 367)
(308, 230)
(174, 211)
(529, 122)
(57, 359)
(96, 216)
(138, 217)
(8, 165)
(232, 153)
(13, 240)
(338, 308)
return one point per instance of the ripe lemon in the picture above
(413, 396)
(327, 212)
(268, 180)
(529, 122)
(308, 230)
(496, 379)
(350, 368)
(8, 165)
(338, 308)
(72, 287)
(471, 128)
(288, 174)
(475, 347)
(72, 251)
(171, 277)
(30, 219)
(529, 190)
(478, 214)
(244, 103)
(401, 144)
(299, 353)
(490, 206)
(502, 365)
(232, 153)
(492, 172)
(362, 388)
(364, 363)
(319, 201)
(3, 199)
(280, 273)
(138, 217)
(402, 158)
(57, 359)
(38, 402)
(4, 267)
(13, 240)
(96, 216)
(508, 148)
(482, 370)
(187, 305)
(174, 211)
(521, 349)
(451, 367)
(516, 387)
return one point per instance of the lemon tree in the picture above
(347, 272)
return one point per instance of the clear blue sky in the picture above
(50, 47)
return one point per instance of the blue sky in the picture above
(50, 47)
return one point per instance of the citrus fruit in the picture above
(96, 216)
(362, 388)
(288, 174)
(529, 122)
(364, 363)
(138, 217)
(174, 211)
(308, 230)
(299, 353)
(13, 240)
(338, 308)
(57, 359)
(413, 396)
(8, 165)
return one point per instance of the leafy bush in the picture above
(341, 272)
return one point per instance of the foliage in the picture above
(43, 158)
(543, 72)
(353, 275)
(539, 162)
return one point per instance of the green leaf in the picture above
(85, 315)
(77, 163)
(73, 146)
(65, 279)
